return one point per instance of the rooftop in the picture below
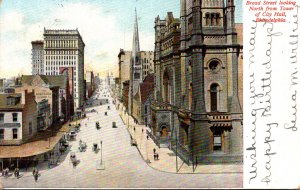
(3, 101)
(52, 80)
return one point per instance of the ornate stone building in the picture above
(198, 62)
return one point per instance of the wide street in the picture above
(124, 166)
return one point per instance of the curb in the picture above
(174, 172)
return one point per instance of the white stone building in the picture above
(37, 57)
(62, 49)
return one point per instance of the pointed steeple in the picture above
(136, 41)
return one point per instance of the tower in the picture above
(210, 51)
(135, 65)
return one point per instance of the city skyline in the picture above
(22, 23)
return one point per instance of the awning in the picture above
(38, 145)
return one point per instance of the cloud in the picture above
(99, 29)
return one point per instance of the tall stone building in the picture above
(198, 61)
(37, 57)
(61, 49)
(147, 60)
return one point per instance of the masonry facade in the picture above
(18, 117)
(198, 73)
(37, 57)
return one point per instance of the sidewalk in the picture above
(43, 166)
(167, 158)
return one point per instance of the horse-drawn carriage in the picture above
(98, 125)
(82, 146)
(74, 159)
(95, 147)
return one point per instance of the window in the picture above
(15, 117)
(136, 75)
(217, 142)
(166, 85)
(190, 25)
(214, 66)
(1, 134)
(1, 118)
(214, 97)
(30, 128)
(207, 19)
(15, 133)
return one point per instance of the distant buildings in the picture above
(61, 49)
(90, 83)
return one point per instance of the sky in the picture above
(105, 26)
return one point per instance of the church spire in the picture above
(136, 41)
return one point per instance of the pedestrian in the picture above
(147, 137)
(15, 172)
(134, 129)
(142, 130)
(6, 172)
(154, 150)
(34, 170)
(36, 175)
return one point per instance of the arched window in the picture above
(166, 84)
(213, 19)
(218, 19)
(207, 19)
(214, 97)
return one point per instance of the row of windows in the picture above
(51, 63)
(49, 52)
(14, 116)
(37, 66)
(62, 43)
(60, 57)
(145, 66)
(14, 134)
(212, 19)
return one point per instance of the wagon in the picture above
(95, 147)
(72, 135)
(73, 158)
(82, 146)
